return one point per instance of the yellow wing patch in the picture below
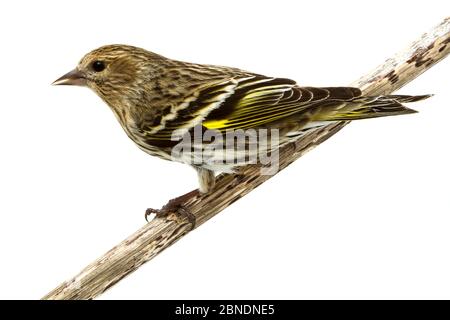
(256, 105)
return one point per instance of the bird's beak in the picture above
(74, 78)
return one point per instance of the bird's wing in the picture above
(246, 102)
(259, 101)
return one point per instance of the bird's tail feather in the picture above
(369, 107)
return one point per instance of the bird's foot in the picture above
(175, 206)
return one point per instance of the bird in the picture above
(161, 103)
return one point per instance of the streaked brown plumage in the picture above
(152, 96)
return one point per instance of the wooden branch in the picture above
(160, 233)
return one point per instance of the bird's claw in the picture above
(174, 206)
(151, 211)
(171, 207)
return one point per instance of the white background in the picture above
(365, 215)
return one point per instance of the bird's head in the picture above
(112, 71)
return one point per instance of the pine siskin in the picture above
(159, 102)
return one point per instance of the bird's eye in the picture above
(98, 66)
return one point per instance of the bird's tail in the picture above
(368, 107)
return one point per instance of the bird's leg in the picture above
(206, 180)
(175, 205)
